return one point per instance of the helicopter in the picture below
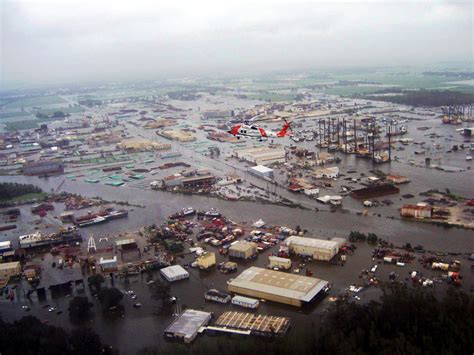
(254, 131)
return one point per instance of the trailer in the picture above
(245, 302)
(279, 263)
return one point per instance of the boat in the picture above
(65, 235)
(96, 220)
(217, 296)
(116, 214)
(188, 211)
(212, 213)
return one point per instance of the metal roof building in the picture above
(174, 273)
(186, 326)
(319, 249)
(277, 286)
(261, 170)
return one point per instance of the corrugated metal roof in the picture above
(171, 272)
(279, 283)
(188, 323)
(313, 243)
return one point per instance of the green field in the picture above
(401, 80)
(13, 114)
(50, 111)
(18, 125)
(271, 96)
(35, 101)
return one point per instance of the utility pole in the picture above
(355, 136)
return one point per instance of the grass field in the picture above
(35, 101)
(50, 111)
(18, 125)
(26, 197)
(13, 114)
(271, 96)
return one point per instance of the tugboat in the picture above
(185, 212)
(96, 220)
(117, 214)
(188, 211)
(212, 213)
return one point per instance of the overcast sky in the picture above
(88, 40)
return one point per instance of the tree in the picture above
(356, 236)
(96, 281)
(372, 238)
(160, 291)
(79, 308)
(110, 298)
(86, 341)
(30, 336)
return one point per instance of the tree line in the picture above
(10, 190)
(404, 321)
(434, 98)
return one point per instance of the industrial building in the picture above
(261, 155)
(174, 273)
(187, 325)
(416, 211)
(217, 114)
(142, 144)
(173, 180)
(8, 270)
(319, 249)
(261, 171)
(198, 181)
(43, 167)
(207, 260)
(277, 286)
(126, 244)
(177, 135)
(243, 250)
(108, 265)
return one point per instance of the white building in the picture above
(174, 273)
(319, 249)
(186, 326)
(262, 171)
(261, 155)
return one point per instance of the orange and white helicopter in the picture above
(254, 131)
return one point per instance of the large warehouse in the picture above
(319, 249)
(277, 286)
(261, 155)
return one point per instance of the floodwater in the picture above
(142, 327)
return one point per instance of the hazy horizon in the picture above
(46, 42)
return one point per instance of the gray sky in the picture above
(88, 40)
